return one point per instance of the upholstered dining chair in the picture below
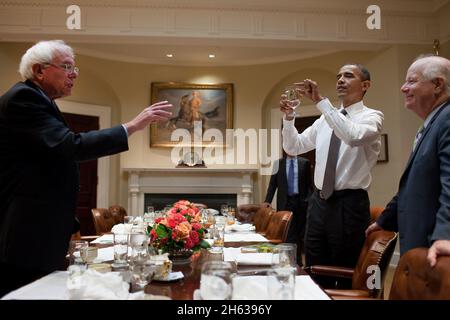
(414, 279)
(377, 251)
(262, 218)
(278, 226)
(105, 219)
(118, 213)
(246, 212)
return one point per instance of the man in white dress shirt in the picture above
(339, 215)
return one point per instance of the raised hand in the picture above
(154, 113)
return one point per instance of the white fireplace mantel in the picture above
(215, 180)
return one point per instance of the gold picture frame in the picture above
(212, 104)
(384, 152)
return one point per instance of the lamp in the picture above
(436, 46)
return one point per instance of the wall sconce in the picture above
(436, 46)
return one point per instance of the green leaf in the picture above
(162, 231)
(204, 244)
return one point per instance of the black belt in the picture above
(294, 195)
(340, 193)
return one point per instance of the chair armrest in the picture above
(275, 241)
(347, 293)
(89, 238)
(330, 271)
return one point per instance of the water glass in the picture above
(141, 267)
(293, 96)
(219, 238)
(120, 241)
(285, 255)
(216, 280)
(281, 283)
(75, 252)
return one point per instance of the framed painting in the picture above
(196, 108)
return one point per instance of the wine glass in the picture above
(293, 96)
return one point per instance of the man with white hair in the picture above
(420, 210)
(39, 178)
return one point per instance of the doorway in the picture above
(87, 196)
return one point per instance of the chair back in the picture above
(103, 220)
(278, 226)
(246, 212)
(118, 213)
(262, 218)
(377, 251)
(375, 212)
(414, 279)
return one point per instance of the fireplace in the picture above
(211, 186)
(212, 200)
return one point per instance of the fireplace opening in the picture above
(214, 201)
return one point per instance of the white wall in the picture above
(126, 88)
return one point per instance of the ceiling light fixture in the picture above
(169, 55)
(211, 56)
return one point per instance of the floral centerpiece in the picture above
(180, 230)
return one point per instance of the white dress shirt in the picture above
(359, 132)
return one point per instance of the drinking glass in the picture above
(75, 252)
(216, 280)
(293, 96)
(224, 209)
(120, 241)
(285, 255)
(281, 283)
(141, 266)
(219, 238)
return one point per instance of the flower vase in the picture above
(181, 256)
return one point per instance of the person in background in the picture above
(347, 143)
(39, 178)
(420, 211)
(292, 179)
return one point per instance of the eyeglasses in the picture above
(68, 68)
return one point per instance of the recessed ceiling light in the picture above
(211, 56)
(169, 55)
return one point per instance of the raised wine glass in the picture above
(293, 96)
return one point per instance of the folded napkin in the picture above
(257, 259)
(122, 228)
(212, 211)
(255, 288)
(240, 227)
(105, 239)
(93, 285)
(244, 237)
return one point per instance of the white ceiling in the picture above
(193, 50)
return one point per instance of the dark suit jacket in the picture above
(279, 181)
(39, 178)
(421, 209)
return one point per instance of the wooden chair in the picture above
(246, 212)
(278, 227)
(118, 213)
(375, 212)
(377, 251)
(105, 219)
(262, 218)
(414, 279)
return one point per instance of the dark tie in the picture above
(291, 178)
(418, 136)
(330, 168)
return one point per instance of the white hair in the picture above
(41, 53)
(438, 68)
